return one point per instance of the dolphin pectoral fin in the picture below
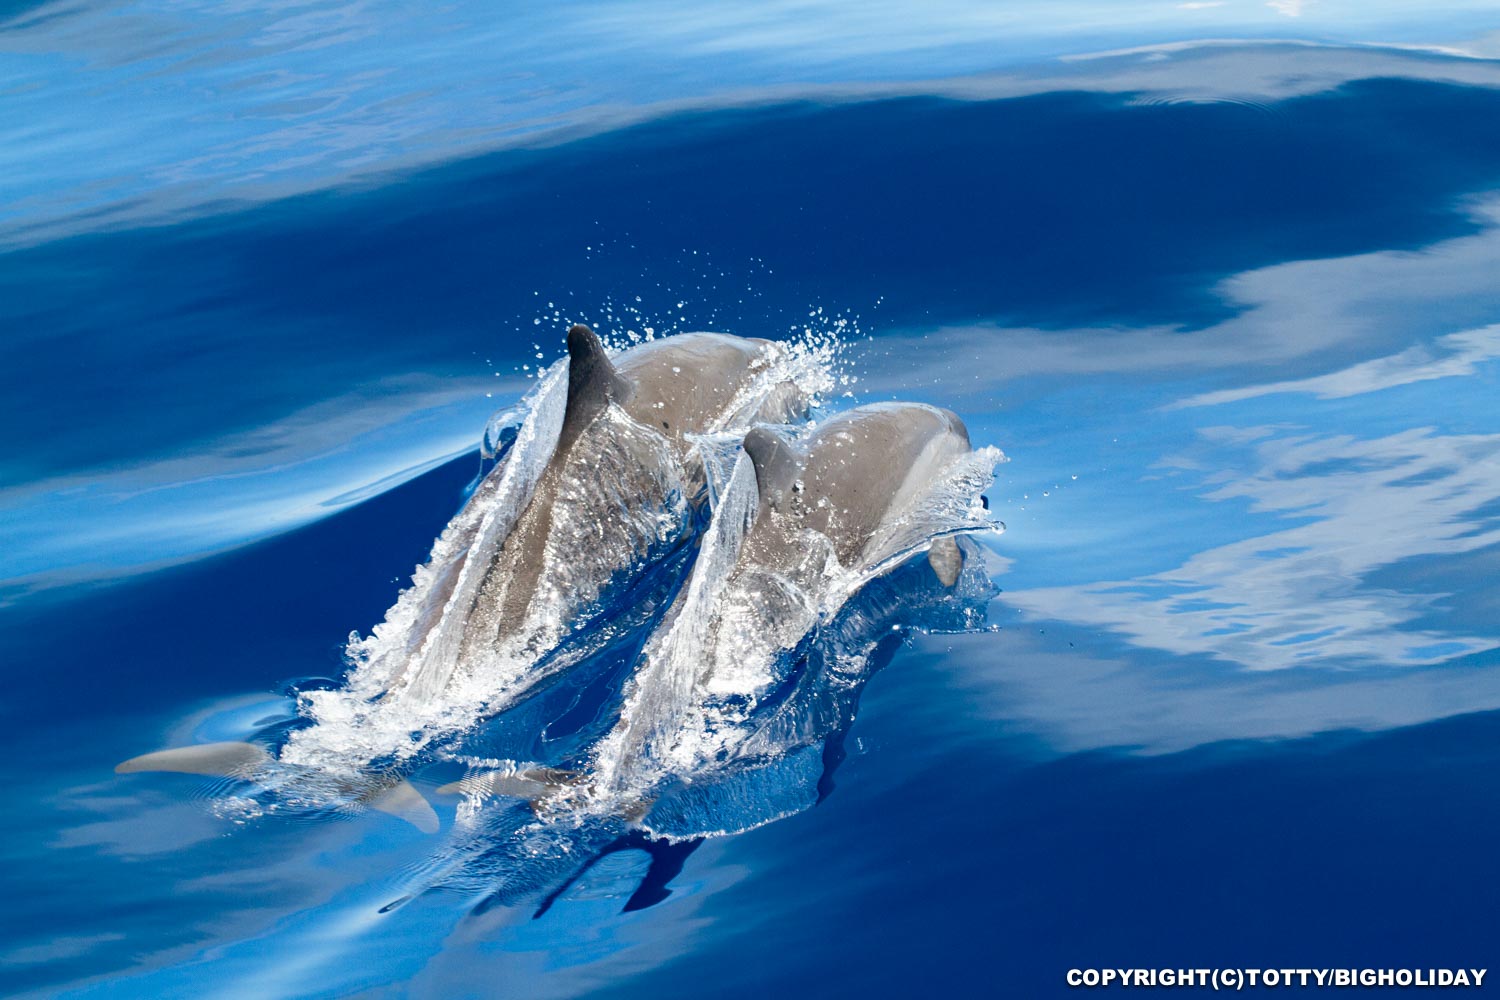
(946, 560)
(532, 784)
(221, 760)
(593, 382)
(774, 460)
(404, 802)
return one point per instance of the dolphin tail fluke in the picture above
(593, 382)
(946, 560)
(404, 802)
(534, 784)
(774, 460)
(220, 760)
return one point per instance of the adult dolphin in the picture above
(609, 493)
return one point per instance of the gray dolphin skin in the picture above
(667, 389)
(686, 384)
(852, 473)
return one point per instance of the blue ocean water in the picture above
(1217, 278)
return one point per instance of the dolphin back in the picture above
(696, 383)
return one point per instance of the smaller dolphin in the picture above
(863, 490)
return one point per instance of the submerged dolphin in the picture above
(591, 491)
(821, 517)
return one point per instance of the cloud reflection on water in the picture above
(1295, 596)
(1448, 356)
(100, 524)
(1293, 315)
(1392, 459)
(1075, 695)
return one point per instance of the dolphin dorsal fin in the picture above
(775, 463)
(593, 382)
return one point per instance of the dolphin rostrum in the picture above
(390, 794)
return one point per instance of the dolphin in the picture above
(803, 526)
(584, 497)
(707, 725)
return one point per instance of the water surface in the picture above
(1229, 309)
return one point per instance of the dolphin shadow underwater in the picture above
(667, 541)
